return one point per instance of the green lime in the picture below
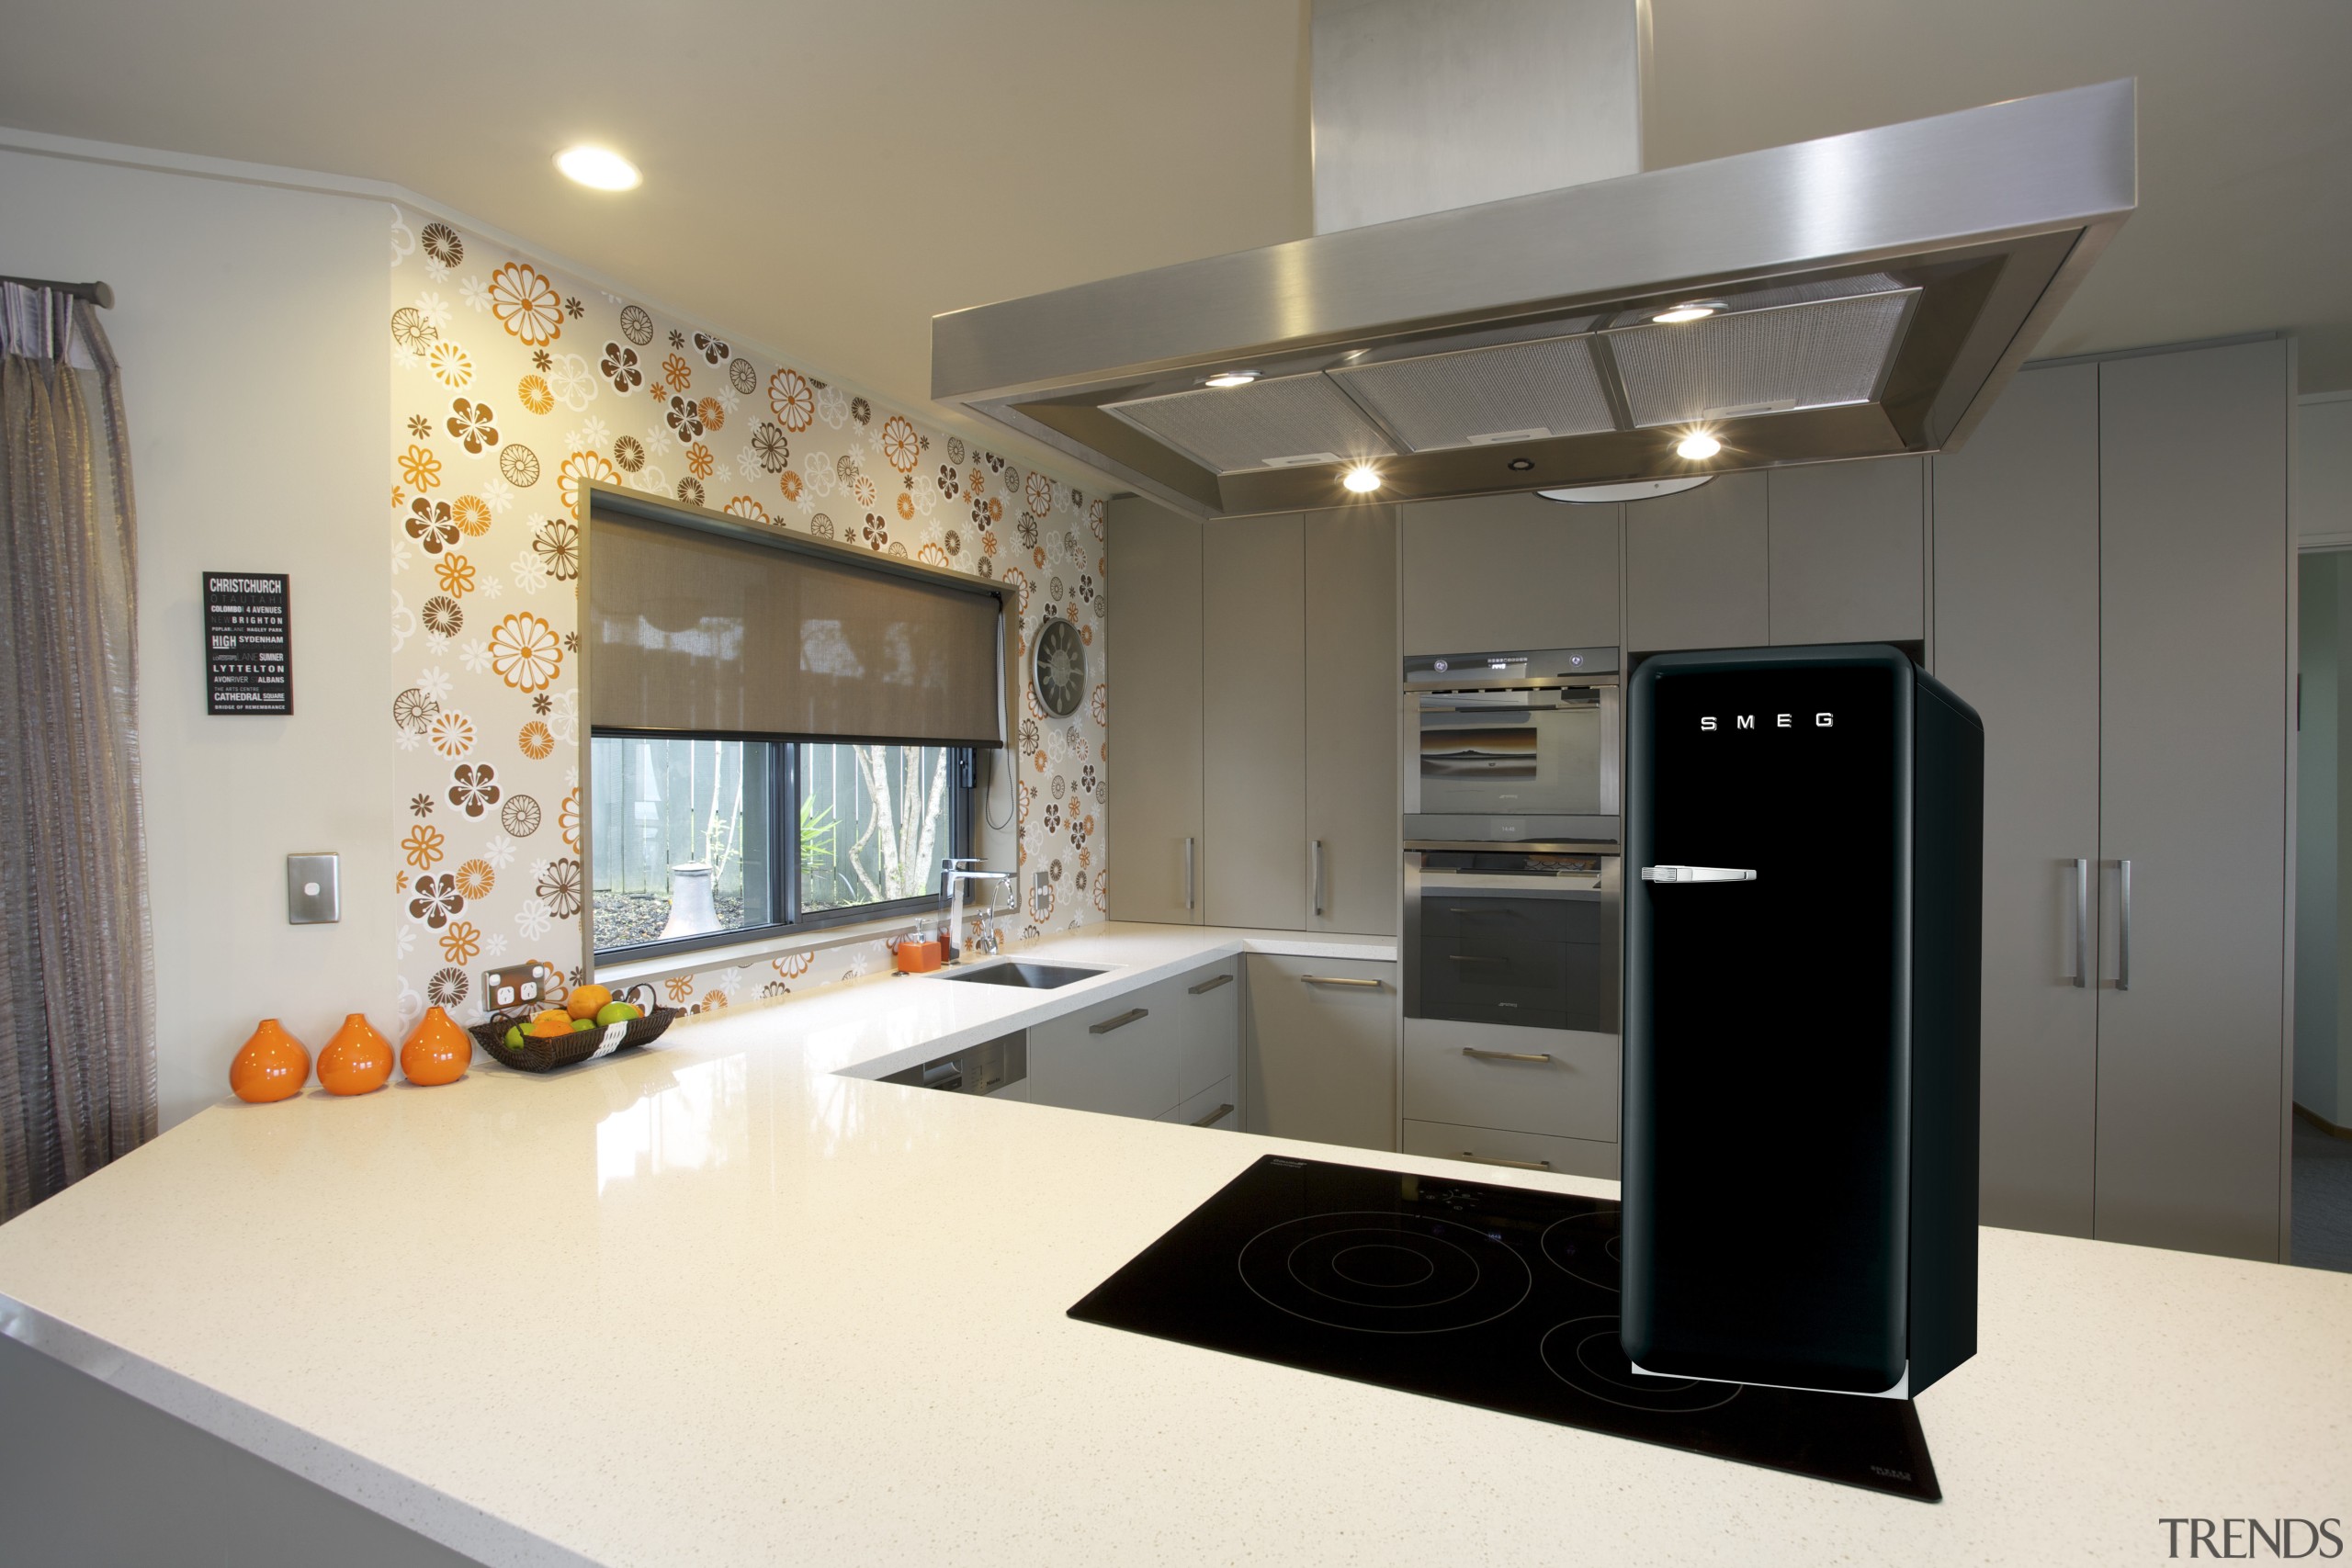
(514, 1037)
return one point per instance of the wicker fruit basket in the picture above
(546, 1052)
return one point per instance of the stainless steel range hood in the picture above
(1859, 296)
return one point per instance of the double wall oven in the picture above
(1513, 881)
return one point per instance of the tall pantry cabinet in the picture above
(2112, 572)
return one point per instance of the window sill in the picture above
(742, 954)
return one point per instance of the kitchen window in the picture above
(702, 840)
(781, 727)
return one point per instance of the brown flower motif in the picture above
(473, 788)
(630, 453)
(429, 523)
(714, 350)
(636, 324)
(470, 422)
(437, 900)
(442, 245)
(410, 330)
(518, 465)
(561, 888)
(619, 365)
(770, 445)
(412, 709)
(448, 987)
(793, 401)
(444, 616)
(684, 418)
(520, 816)
(558, 547)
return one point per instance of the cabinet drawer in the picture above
(1567, 1156)
(1117, 1056)
(1209, 1027)
(1573, 1095)
(1213, 1107)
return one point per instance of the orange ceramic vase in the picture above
(273, 1064)
(357, 1060)
(436, 1051)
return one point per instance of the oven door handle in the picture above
(1696, 874)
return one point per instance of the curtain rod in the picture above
(99, 294)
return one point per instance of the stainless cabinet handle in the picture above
(1475, 1054)
(1189, 844)
(2123, 933)
(2082, 923)
(1472, 958)
(1318, 876)
(1696, 874)
(1121, 1022)
(1342, 981)
(1514, 1164)
(1214, 1117)
(1211, 983)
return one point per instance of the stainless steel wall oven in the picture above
(1525, 935)
(1512, 747)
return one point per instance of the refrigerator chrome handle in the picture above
(1696, 874)
(2123, 932)
(2082, 923)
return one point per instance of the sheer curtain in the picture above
(77, 1056)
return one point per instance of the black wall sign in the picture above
(246, 666)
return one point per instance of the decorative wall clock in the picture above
(1058, 664)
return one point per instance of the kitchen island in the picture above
(720, 1301)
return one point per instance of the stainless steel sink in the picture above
(1030, 976)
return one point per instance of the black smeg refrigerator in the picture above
(1802, 957)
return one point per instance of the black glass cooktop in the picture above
(1488, 1296)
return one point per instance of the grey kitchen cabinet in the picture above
(1354, 868)
(2195, 557)
(1254, 722)
(1483, 573)
(1121, 1055)
(1518, 1151)
(1845, 551)
(1322, 1050)
(2016, 634)
(1208, 1029)
(2113, 577)
(1153, 646)
(1695, 567)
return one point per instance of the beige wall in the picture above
(247, 322)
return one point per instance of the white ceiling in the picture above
(824, 177)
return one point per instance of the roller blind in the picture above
(694, 630)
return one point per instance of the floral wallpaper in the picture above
(510, 385)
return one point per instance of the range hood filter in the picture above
(1516, 391)
(1796, 356)
(1292, 421)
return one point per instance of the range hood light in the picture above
(1696, 311)
(1364, 479)
(1231, 378)
(1519, 465)
(1697, 446)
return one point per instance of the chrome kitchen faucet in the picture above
(951, 872)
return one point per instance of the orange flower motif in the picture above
(699, 462)
(680, 988)
(676, 374)
(526, 654)
(475, 879)
(460, 942)
(420, 467)
(399, 497)
(533, 394)
(901, 448)
(525, 303)
(536, 740)
(745, 507)
(451, 732)
(790, 484)
(794, 400)
(452, 367)
(577, 469)
(456, 575)
(423, 846)
(472, 514)
(906, 507)
(567, 819)
(714, 413)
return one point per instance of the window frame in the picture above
(784, 877)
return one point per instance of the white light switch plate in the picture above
(313, 890)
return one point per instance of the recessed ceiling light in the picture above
(599, 169)
(1698, 446)
(1232, 378)
(1364, 479)
(1519, 465)
(1696, 311)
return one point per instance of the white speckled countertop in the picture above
(715, 1302)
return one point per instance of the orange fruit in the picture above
(554, 1021)
(585, 1001)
